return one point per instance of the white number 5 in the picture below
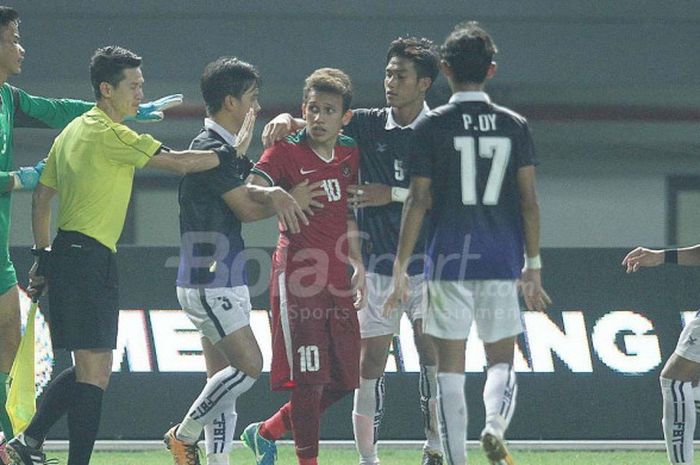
(496, 148)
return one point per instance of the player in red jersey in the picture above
(315, 332)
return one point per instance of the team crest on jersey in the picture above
(345, 170)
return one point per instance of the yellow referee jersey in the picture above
(91, 164)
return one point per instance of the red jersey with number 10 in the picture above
(319, 252)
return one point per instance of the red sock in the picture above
(313, 461)
(274, 427)
(306, 421)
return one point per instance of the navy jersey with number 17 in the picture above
(472, 150)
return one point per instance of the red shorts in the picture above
(315, 338)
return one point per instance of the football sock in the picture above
(83, 422)
(499, 397)
(274, 427)
(427, 385)
(218, 437)
(452, 411)
(678, 419)
(278, 424)
(368, 410)
(219, 395)
(5, 424)
(696, 396)
(57, 399)
(306, 420)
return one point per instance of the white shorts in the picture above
(216, 312)
(454, 305)
(372, 322)
(689, 341)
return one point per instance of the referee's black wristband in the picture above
(671, 256)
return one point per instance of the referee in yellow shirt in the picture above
(91, 166)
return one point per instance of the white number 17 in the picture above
(496, 148)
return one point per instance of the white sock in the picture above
(368, 410)
(696, 396)
(678, 419)
(219, 395)
(427, 385)
(500, 393)
(218, 437)
(452, 408)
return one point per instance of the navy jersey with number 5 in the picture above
(472, 150)
(384, 148)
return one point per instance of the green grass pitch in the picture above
(388, 456)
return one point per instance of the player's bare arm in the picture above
(358, 280)
(279, 127)
(418, 202)
(535, 296)
(288, 211)
(41, 229)
(644, 257)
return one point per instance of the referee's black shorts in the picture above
(83, 293)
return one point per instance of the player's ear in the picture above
(229, 102)
(493, 67)
(424, 84)
(347, 117)
(106, 89)
(303, 110)
(445, 69)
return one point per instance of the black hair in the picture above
(469, 51)
(223, 77)
(108, 65)
(421, 52)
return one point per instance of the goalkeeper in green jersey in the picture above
(19, 109)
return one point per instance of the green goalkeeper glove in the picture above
(153, 111)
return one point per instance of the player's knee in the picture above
(372, 363)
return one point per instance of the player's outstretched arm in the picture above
(278, 201)
(644, 257)
(280, 127)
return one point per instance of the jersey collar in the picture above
(220, 130)
(470, 97)
(392, 124)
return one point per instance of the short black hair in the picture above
(223, 77)
(8, 15)
(331, 80)
(421, 52)
(108, 65)
(469, 51)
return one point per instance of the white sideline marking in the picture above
(516, 445)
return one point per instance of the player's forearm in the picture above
(354, 245)
(411, 222)
(41, 215)
(531, 227)
(261, 205)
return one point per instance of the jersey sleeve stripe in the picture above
(263, 174)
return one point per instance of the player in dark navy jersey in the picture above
(383, 136)
(473, 164)
(211, 281)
